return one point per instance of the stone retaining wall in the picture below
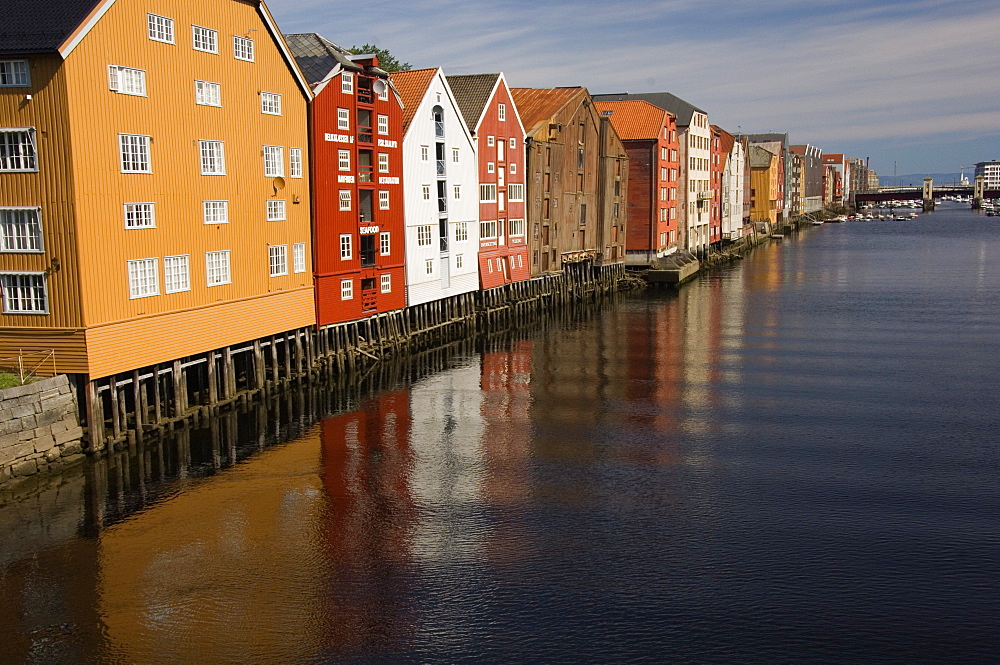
(39, 428)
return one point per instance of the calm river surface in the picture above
(794, 460)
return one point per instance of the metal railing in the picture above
(26, 365)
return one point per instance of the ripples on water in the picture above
(791, 460)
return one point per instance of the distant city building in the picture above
(777, 143)
(765, 170)
(991, 173)
(812, 176)
(842, 180)
(872, 179)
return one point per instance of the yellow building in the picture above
(764, 197)
(154, 202)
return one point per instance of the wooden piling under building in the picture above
(194, 390)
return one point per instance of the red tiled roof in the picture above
(537, 105)
(634, 119)
(412, 86)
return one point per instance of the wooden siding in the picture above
(68, 349)
(176, 124)
(50, 189)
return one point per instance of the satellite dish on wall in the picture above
(279, 183)
(379, 86)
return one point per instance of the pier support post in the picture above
(978, 192)
(928, 194)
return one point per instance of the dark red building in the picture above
(492, 118)
(649, 135)
(356, 143)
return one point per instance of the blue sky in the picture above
(915, 82)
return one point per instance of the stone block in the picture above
(22, 410)
(44, 443)
(49, 393)
(72, 434)
(59, 426)
(15, 392)
(60, 403)
(46, 418)
(7, 440)
(7, 454)
(53, 454)
(72, 448)
(28, 422)
(73, 459)
(25, 468)
(23, 450)
(10, 426)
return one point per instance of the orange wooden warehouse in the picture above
(154, 196)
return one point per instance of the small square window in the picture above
(207, 93)
(383, 200)
(276, 210)
(270, 103)
(344, 160)
(242, 48)
(346, 289)
(14, 74)
(383, 162)
(344, 119)
(491, 141)
(345, 199)
(491, 167)
(204, 39)
(215, 212)
(143, 278)
(139, 216)
(513, 144)
(386, 283)
(161, 28)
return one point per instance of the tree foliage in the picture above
(386, 60)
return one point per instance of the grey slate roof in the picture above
(316, 56)
(771, 137)
(665, 100)
(472, 92)
(39, 26)
(760, 158)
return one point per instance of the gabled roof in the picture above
(726, 141)
(665, 100)
(318, 56)
(537, 105)
(40, 26)
(760, 158)
(412, 86)
(635, 119)
(472, 93)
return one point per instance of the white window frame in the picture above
(277, 260)
(384, 243)
(295, 162)
(502, 112)
(127, 80)
(277, 210)
(176, 273)
(488, 228)
(429, 266)
(515, 227)
(461, 231)
(204, 39)
(456, 192)
(217, 270)
(344, 160)
(15, 74)
(427, 192)
(383, 199)
(425, 153)
(243, 48)
(213, 157)
(347, 289)
(347, 83)
(15, 294)
(343, 118)
(491, 141)
(515, 192)
(215, 212)
(134, 153)
(454, 155)
(143, 278)
(298, 257)
(346, 246)
(383, 124)
(274, 161)
(139, 215)
(491, 167)
(513, 143)
(487, 193)
(23, 152)
(207, 93)
(385, 283)
(21, 230)
(513, 168)
(160, 28)
(423, 235)
(383, 162)
(458, 260)
(345, 199)
(270, 103)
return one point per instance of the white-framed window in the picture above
(500, 146)
(217, 268)
(513, 144)
(346, 243)
(298, 257)
(143, 278)
(24, 293)
(176, 274)
(515, 191)
(242, 48)
(515, 227)
(17, 149)
(21, 230)
(383, 200)
(134, 152)
(461, 231)
(207, 93)
(427, 192)
(454, 155)
(491, 167)
(160, 28)
(213, 157)
(204, 39)
(383, 93)
(274, 161)
(215, 212)
(424, 235)
(140, 216)
(429, 266)
(383, 162)
(501, 112)
(513, 168)
(270, 103)
(386, 283)
(491, 141)
(346, 289)
(277, 260)
(457, 191)
(344, 160)
(383, 124)
(487, 193)
(458, 260)
(295, 162)
(384, 243)
(345, 199)
(276, 211)
(425, 153)
(343, 118)
(347, 83)
(14, 74)
(488, 229)
(127, 80)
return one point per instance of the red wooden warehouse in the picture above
(356, 139)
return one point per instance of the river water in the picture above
(793, 460)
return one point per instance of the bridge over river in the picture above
(977, 192)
